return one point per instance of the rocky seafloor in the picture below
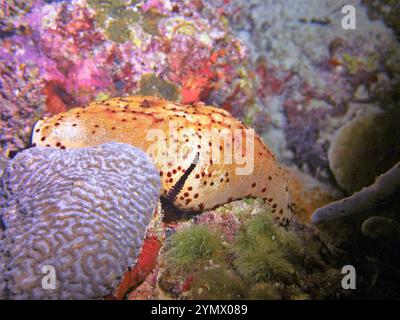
(325, 99)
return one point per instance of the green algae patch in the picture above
(151, 85)
(263, 261)
(151, 18)
(264, 291)
(218, 284)
(117, 31)
(265, 251)
(121, 18)
(193, 247)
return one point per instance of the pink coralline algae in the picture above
(55, 55)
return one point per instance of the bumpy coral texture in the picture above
(84, 211)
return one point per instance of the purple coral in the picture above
(367, 199)
(82, 211)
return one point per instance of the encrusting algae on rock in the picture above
(225, 160)
(261, 260)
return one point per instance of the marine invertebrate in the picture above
(365, 147)
(370, 213)
(307, 194)
(233, 161)
(364, 201)
(66, 53)
(84, 212)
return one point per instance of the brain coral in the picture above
(83, 211)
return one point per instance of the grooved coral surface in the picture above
(82, 211)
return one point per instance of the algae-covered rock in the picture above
(264, 251)
(218, 284)
(192, 247)
(264, 291)
(381, 228)
(244, 255)
(151, 85)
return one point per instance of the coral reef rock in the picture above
(55, 55)
(80, 215)
(245, 255)
(310, 70)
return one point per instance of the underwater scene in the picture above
(200, 149)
